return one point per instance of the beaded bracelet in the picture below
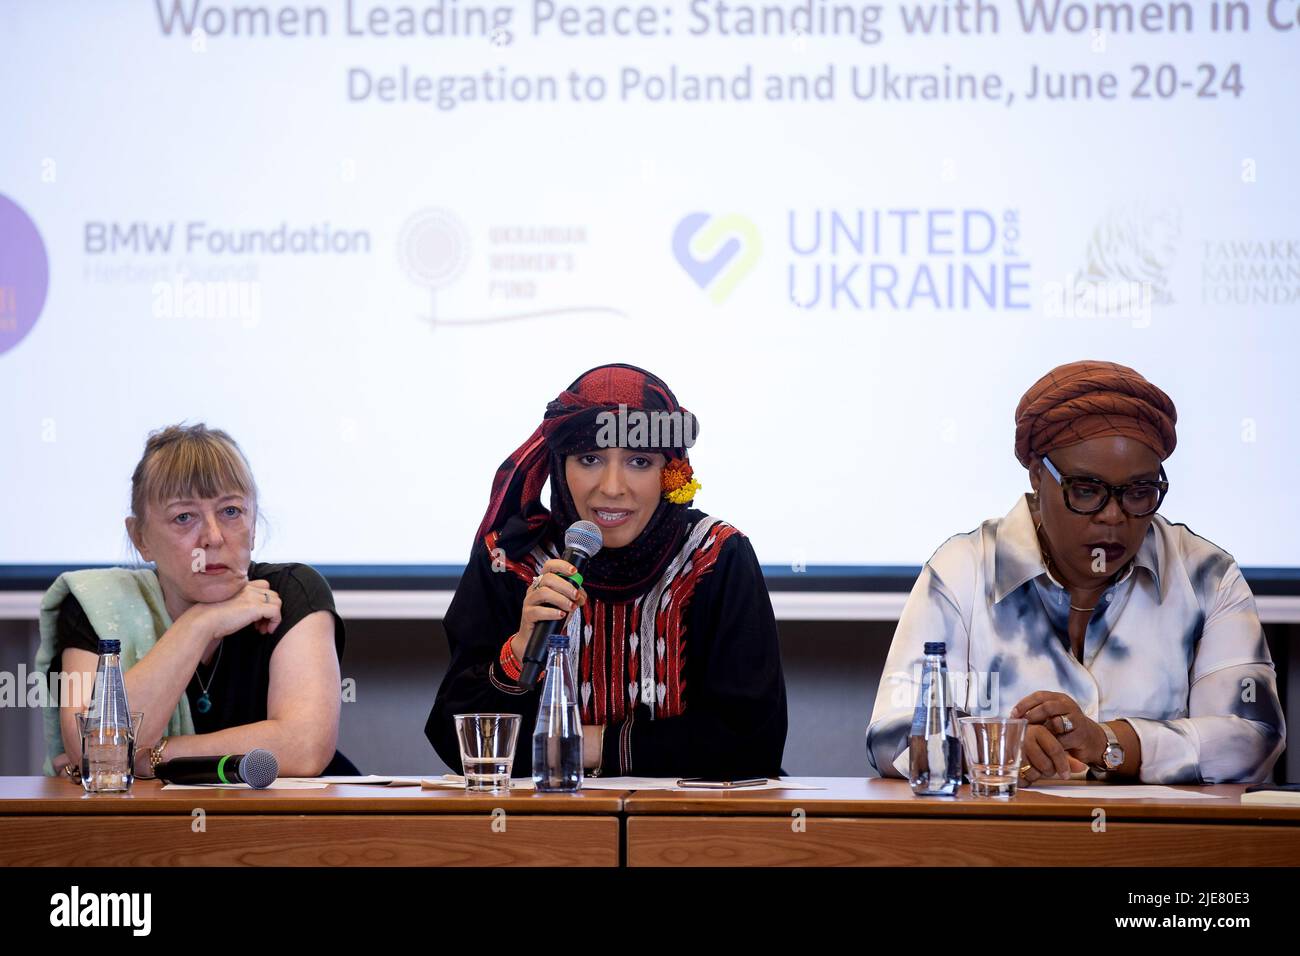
(509, 663)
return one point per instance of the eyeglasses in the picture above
(1085, 495)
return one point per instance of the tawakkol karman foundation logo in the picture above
(24, 274)
(1137, 244)
(716, 252)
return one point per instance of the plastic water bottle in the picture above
(933, 748)
(557, 737)
(108, 740)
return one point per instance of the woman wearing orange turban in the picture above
(1131, 645)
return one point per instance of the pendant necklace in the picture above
(203, 704)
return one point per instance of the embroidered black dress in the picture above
(686, 678)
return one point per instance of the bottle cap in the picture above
(110, 647)
(936, 647)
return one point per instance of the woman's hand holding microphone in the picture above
(552, 597)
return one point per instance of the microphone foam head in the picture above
(259, 768)
(584, 536)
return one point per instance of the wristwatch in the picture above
(1112, 758)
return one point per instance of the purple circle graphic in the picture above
(24, 274)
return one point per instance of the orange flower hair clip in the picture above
(678, 482)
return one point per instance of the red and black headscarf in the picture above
(570, 426)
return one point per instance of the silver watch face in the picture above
(1113, 757)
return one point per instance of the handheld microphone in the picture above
(257, 768)
(581, 543)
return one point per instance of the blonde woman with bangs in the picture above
(221, 654)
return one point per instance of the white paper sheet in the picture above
(370, 780)
(670, 783)
(311, 783)
(1147, 792)
(453, 781)
(283, 783)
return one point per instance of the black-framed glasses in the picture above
(1086, 495)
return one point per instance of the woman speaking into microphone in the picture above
(679, 666)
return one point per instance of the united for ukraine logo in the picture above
(716, 252)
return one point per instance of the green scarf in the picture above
(122, 604)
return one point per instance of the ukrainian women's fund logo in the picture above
(526, 265)
(24, 274)
(433, 248)
(716, 252)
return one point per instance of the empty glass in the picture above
(994, 748)
(487, 749)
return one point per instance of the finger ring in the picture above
(1025, 768)
(1067, 724)
(537, 582)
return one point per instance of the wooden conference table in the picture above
(52, 822)
(852, 822)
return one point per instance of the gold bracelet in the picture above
(155, 755)
(600, 762)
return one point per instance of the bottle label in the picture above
(934, 697)
(97, 697)
(923, 700)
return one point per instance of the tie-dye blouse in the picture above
(1175, 648)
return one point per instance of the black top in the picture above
(239, 676)
(734, 721)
